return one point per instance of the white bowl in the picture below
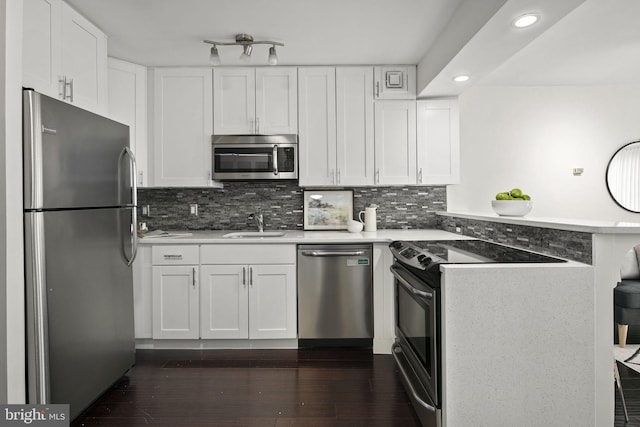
(354, 226)
(512, 207)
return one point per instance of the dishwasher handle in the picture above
(332, 253)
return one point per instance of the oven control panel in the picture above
(410, 254)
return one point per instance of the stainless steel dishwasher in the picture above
(335, 295)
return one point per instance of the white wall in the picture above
(12, 362)
(532, 137)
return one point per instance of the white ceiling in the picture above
(587, 42)
(171, 32)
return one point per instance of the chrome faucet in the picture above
(259, 220)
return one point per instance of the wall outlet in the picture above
(458, 230)
(193, 209)
(146, 210)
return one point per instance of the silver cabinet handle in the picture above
(332, 174)
(193, 280)
(71, 90)
(173, 257)
(420, 176)
(62, 85)
(244, 276)
(407, 286)
(377, 89)
(378, 176)
(251, 276)
(332, 253)
(275, 159)
(338, 179)
(257, 125)
(252, 126)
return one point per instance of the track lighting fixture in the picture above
(247, 42)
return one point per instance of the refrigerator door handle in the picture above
(126, 151)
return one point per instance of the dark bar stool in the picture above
(626, 295)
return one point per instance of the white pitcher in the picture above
(369, 220)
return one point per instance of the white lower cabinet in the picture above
(256, 300)
(248, 302)
(175, 291)
(201, 292)
(175, 302)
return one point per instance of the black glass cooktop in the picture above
(480, 251)
(425, 254)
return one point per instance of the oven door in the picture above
(417, 329)
(255, 161)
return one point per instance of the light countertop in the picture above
(583, 225)
(294, 236)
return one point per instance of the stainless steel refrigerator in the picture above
(80, 242)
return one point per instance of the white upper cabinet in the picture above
(395, 82)
(317, 127)
(64, 55)
(128, 105)
(438, 142)
(182, 127)
(355, 130)
(84, 61)
(277, 100)
(395, 127)
(255, 101)
(42, 45)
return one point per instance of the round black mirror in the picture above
(623, 176)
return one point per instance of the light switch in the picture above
(193, 209)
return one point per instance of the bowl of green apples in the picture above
(512, 203)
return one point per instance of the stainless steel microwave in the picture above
(243, 157)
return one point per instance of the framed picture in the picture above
(327, 209)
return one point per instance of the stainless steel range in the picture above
(417, 349)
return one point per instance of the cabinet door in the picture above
(175, 302)
(224, 301)
(182, 125)
(355, 141)
(234, 91)
(277, 100)
(272, 301)
(128, 105)
(317, 126)
(395, 142)
(42, 45)
(84, 61)
(438, 142)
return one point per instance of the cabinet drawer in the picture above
(248, 254)
(174, 255)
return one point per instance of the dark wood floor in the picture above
(255, 388)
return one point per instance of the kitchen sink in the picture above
(241, 234)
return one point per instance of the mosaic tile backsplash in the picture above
(282, 206)
(572, 245)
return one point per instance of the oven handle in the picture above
(394, 350)
(408, 286)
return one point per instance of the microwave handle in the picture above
(275, 160)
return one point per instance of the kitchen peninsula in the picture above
(602, 244)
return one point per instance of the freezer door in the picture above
(73, 158)
(80, 304)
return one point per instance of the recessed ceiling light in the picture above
(525, 20)
(461, 78)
